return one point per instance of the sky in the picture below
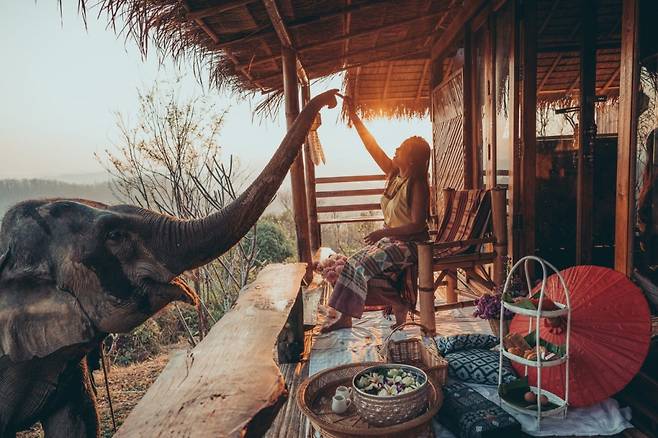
(61, 86)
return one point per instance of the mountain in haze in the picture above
(13, 191)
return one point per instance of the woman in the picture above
(392, 249)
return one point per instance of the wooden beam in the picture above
(213, 36)
(231, 371)
(449, 36)
(340, 38)
(426, 66)
(284, 36)
(297, 180)
(612, 78)
(629, 78)
(558, 58)
(347, 24)
(216, 10)
(542, 28)
(385, 57)
(387, 81)
(349, 178)
(355, 93)
(587, 135)
(344, 193)
(348, 207)
(302, 22)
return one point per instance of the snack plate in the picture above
(314, 399)
(533, 363)
(562, 311)
(552, 398)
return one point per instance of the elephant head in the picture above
(73, 270)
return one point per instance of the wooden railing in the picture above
(337, 196)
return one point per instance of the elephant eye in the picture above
(114, 235)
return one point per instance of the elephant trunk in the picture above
(193, 243)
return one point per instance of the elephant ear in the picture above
(37, 320)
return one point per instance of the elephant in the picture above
(72, 271)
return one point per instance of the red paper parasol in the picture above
(610, 334)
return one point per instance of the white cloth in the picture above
(605, 418)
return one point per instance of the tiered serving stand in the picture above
(535, 317)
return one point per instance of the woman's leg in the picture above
(382, 293)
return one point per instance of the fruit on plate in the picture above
(530, 397)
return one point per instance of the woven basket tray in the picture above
(314, 400)
(414, 352)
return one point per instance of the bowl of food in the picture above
(390, 394)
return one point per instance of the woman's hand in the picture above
(375, 236)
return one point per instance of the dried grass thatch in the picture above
(234, 41)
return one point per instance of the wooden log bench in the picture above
(229, 385)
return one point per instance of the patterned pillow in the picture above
(478, 366)
(450, 344)
(466, 413)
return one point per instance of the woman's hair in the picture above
(418, 151)
(419, 156)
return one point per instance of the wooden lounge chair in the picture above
(472, 233)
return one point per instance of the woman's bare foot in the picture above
(344, 321)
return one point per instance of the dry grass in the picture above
(127, 385)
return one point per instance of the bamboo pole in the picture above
(426, 288)
(451, 287)
(291, 93)
(627, 149)
(587, 135)
(498, 213)
(309, 167)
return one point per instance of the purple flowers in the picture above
(488, 307)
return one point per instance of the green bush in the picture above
(273, 245)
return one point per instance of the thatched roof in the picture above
(236, 40)
(383, 44)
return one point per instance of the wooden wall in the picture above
(448, 120)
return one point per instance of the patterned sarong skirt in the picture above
(377, 276)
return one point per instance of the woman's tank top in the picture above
(395, 203)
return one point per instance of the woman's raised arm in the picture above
(373, 148)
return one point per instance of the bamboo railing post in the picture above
(499, 216)
(291, 93)
(426, 288)
(309, 166)
(451, 287)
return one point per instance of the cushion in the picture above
(467, 414)
(450, 344)
(478, 366)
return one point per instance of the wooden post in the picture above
(514, 187)
(468, 104)
(586, 134)
(299, 204)
(498, 213)
(451, 287)
(309, 167)
(629, 77)
(426, 288)
(528, 116)
(489, 122)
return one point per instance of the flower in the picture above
(488, 307)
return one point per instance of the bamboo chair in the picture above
(472, 233)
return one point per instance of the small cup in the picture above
(344, 391)
(339, 404)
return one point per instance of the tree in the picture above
(169, 161)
